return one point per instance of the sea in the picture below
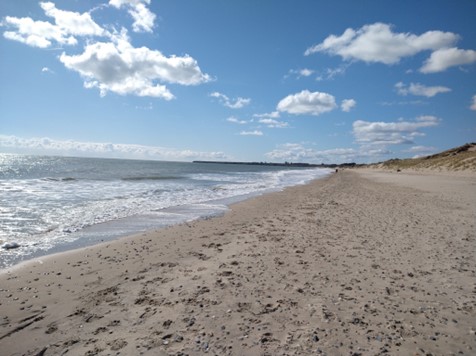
(53, 204)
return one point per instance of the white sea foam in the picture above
(51, 202)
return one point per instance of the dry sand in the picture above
(360, 263)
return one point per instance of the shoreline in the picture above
(128, 226)
(83, 243)
(75, 246)
(347, 263)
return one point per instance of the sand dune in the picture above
(356, 264)
(458, 159)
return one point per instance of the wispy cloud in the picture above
(272, 123)
(235, 120)
(406, 102)
(271, 115)
(391, 133)
(251, 133)
(421, 149)
(420, 89)
(300, 73)
(46, 70)
(473, 103)
(236, 103)
(49, 146)
(305, 72)
(331, 73)
(302, 152)
(142, 16)
(299, 152)
(271, 120)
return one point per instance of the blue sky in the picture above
(269, 80)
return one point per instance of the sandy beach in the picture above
(359, 263)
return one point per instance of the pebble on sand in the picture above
(10, 245)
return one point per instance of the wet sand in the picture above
(360, 263)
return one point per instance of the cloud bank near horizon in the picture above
(47, 146)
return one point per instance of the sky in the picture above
(271, 80)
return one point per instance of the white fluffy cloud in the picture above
(41, 34)
(420, 89)
(378, 43)
(391, 133)
(347, 104)
(237, 103)
(307, 103)
(36, 33)
(73, 23)
(110, 64)
(142, 16)
(123, 69)
(96, 149)
(445, 58)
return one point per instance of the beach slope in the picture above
(356, 263)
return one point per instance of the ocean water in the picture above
(51, 204)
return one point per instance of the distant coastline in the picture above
(285, 164)
(462, 158)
